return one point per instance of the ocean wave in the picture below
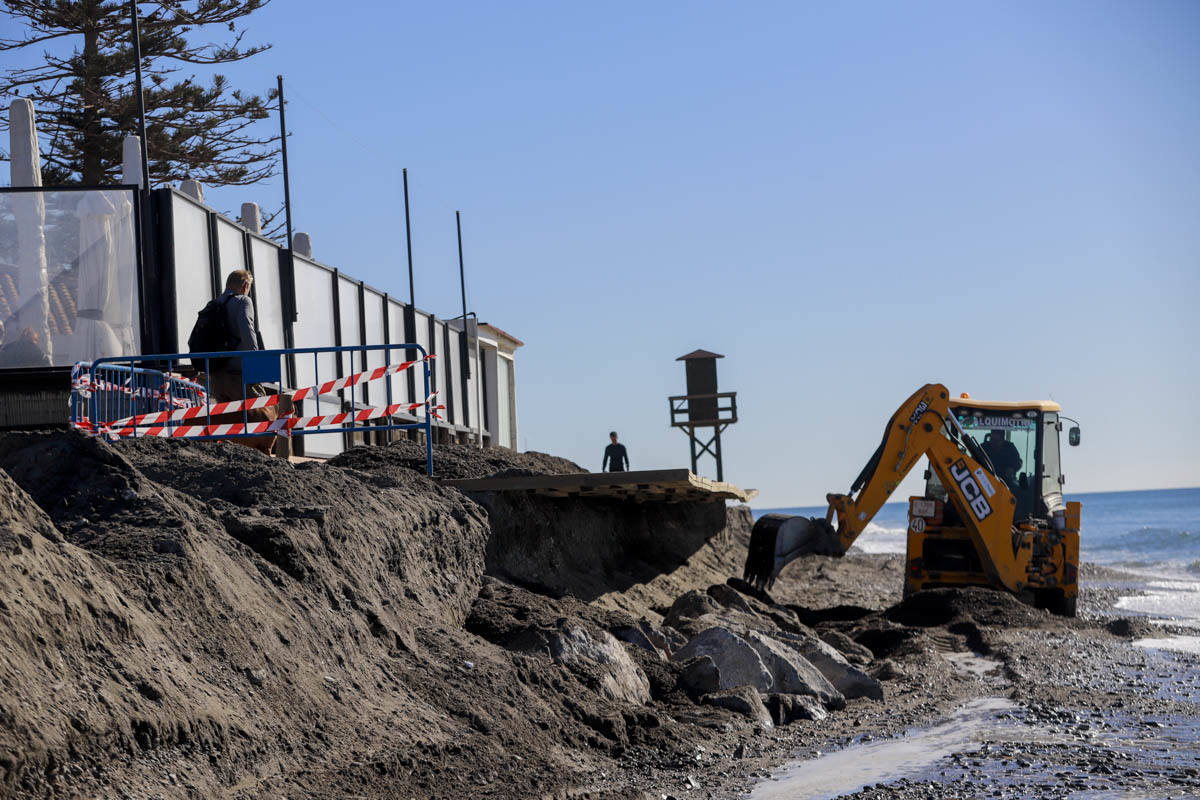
(878, 539)
(1194, 567)
(1169, 599)
(1149, 538)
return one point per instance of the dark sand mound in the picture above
(585, 547)
(453, 460)
(193, 619)
(237, 613)
(971, 604)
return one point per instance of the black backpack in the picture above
(211, 332)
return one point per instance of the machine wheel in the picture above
(1054, 601)
(1058, 603)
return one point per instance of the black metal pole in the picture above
(289, 276)
(412, 301)
(462, 282)
(287, 186)
(462, 277)
(141, 99)
(410, 313)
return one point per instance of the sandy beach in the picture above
(196, 620)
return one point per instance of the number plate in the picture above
(922, 508)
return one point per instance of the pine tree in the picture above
(86, 102)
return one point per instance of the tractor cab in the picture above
(1021, 443)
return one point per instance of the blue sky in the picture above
(847, 200)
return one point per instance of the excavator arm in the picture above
(922, 426)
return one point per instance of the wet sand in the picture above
(1104, 706)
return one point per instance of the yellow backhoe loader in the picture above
(992, 513)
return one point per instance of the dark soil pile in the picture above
(200, 615)
(192, 619)
(968, 604)
(453, 460)
(585, 547)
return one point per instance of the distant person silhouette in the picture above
(615, 457)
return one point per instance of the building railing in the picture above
(205, 396)
(125, 272)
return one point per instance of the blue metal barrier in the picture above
(130, 397)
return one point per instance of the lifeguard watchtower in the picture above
(702, 408)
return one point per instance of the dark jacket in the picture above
(615, 458)
(239, 313)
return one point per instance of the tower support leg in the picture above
(720, 467)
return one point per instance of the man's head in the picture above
(613, 436)
(997, 435)
(239, 282)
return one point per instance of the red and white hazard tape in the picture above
(285, 425)
(125, 426)
(84, 384)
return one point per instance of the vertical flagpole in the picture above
(462, 279)
(412, 301)
(410, 313)
(287, 186)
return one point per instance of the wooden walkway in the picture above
(655, 484)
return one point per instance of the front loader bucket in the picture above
(778, 539)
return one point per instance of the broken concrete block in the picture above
(738, 663)
(700, 676)
(792, 673)
(621, 679)
(788, 708)
(850, 681)
(854, 652)
(742, 699)
(689, 606)
(729, 598)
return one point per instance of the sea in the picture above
(1153, 534)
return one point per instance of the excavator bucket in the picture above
(778, 539)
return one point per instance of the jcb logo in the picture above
(971, 490)
(921, 408)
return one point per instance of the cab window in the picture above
(1051, 459)
(1009, 438)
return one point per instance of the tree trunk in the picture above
(92, 170)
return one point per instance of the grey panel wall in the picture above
(473, 391)
(268, 291)
(359, 318)
(373, 311)
(314, 321)
(351, 331)
(230, 247)
(193, 267)
(454, 371)
(504, 431)
(438, 346)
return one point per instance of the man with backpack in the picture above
(227, 324)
